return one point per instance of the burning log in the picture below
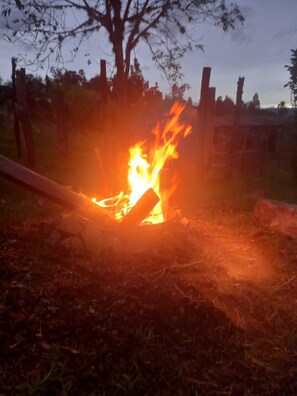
(141, 209)
(53, 191)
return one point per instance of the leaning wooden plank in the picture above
(53, 191)
(141, 209)
(278, 215)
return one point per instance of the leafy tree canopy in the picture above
(164, 25)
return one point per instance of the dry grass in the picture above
(201, 319)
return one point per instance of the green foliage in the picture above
(282, 109)
(84, 109)
(178, 91)
(293, 148)
(68, 77)
(136, 85)
(256, 101)
(36, 92)
(5, 93)
(224, 107)
(292, 84)
(138, 89)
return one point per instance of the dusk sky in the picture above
(257, 51)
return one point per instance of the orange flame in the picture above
(144, 174)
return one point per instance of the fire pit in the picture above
(144, 204)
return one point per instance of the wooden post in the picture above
(103, 70)
(22, 109)
(232, 148)
(210, 125)
(202, 123)
(103, 92)
(103, 81)
(14, 98)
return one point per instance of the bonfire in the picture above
(145, 169)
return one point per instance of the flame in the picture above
(145, 169)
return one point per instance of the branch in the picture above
(152, 24)
(127, 9)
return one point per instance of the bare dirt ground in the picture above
(210, 311)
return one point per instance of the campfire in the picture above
(147, 200)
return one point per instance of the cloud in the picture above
(285, 34)
(244, 34)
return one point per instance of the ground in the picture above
(211, 314)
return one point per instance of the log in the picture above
(277, 215)
(53, 191)
(141, 209)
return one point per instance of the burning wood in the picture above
(146, 199)
(53, 191)
(141, 209)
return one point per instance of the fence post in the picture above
(210, 126)
(103, 79)
(235, 129)
(202, 123)
(14, 98)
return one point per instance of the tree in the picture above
(282, 109)
(68, 77)
(177, 91)
(164, 25)
(137, 86)
(224, 107)
(256, 101)
(292, 84)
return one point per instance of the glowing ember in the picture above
(145, 169)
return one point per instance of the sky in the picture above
(258, 51)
